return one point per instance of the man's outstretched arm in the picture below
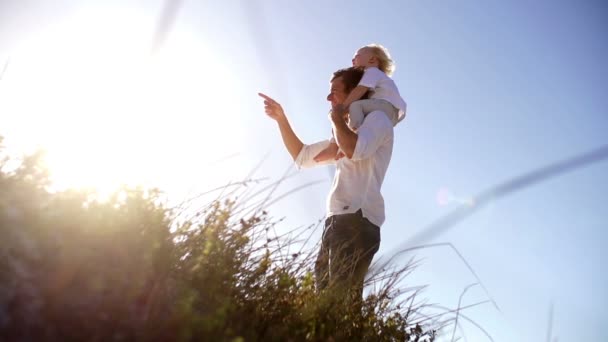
(291, 141)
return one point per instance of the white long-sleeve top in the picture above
(357, 181)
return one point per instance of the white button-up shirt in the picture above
(357, 181)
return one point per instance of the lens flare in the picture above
(445, 196)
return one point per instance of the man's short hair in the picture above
(350, 77)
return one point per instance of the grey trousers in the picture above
(347, 248)
(358, 110)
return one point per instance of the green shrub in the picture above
(73, 268)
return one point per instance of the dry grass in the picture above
(74, 268)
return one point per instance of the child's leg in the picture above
(356, 114)
(364, 107)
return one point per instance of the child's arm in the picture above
(355, 94)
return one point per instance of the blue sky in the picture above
(494, 90)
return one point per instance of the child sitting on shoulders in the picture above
(384, 95)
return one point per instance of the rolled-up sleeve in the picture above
(374, 131)
(308, 152)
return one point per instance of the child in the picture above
(378, 65)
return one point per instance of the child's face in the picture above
(364, 58)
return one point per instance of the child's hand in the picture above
(340, 155)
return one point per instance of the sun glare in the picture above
(108, 113)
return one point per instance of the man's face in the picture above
(337, 95)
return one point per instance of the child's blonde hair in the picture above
(385, 64)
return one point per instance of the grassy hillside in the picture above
(73, 268)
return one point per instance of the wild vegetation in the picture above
(129, 268)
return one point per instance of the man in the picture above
(355, 207)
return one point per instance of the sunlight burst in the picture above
(108, 113)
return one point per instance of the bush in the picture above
(74, 268)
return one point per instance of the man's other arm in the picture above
(345, 138)
(369, 137)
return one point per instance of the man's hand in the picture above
(345, 137)
(338, 111)
(272, 108)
